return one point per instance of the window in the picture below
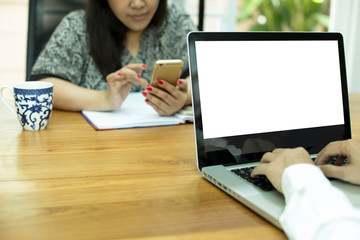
(283, 15)
(345, 16)
(220, 15)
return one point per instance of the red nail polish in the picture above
(161, 82)
(144, 66)
(119, 74)
(147, 100)
(144, 93)
(138, 76)
(180, 82)
(149, 88)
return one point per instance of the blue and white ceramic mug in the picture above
(33, 103)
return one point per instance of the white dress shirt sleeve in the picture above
(314, 208)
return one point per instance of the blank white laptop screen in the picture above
(291, 84)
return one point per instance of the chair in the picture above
(44, 16)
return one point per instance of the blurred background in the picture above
(219, 15)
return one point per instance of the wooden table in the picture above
(72, 182)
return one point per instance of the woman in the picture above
(95, 58)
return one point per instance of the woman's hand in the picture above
(168, 99)
(120, 84)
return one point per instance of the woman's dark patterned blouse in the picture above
(67, 53)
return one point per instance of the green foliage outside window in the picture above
(285, 15)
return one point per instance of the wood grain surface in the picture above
(72, 182)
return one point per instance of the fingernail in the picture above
(144, 93)
(161, 82)
(147, 100)
(149, 88)
(138, 76)
(144, 66)
(180, 82)
(119, 74)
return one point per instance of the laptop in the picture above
(257, 91)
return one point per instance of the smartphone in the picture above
(167, 70)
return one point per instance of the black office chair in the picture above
(44, 16)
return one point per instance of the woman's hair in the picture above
(107, 33)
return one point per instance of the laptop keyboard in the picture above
(260, 181)
(333, 161)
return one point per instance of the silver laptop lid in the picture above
(256, 91)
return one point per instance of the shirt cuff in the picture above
(298, 176)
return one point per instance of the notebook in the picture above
(134, 113)
(257, 91)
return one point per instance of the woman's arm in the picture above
(71, 97)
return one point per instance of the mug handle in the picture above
(4, 100)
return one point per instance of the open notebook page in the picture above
(134, 112)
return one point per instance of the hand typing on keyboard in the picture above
(274, 163)
(345, 151)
